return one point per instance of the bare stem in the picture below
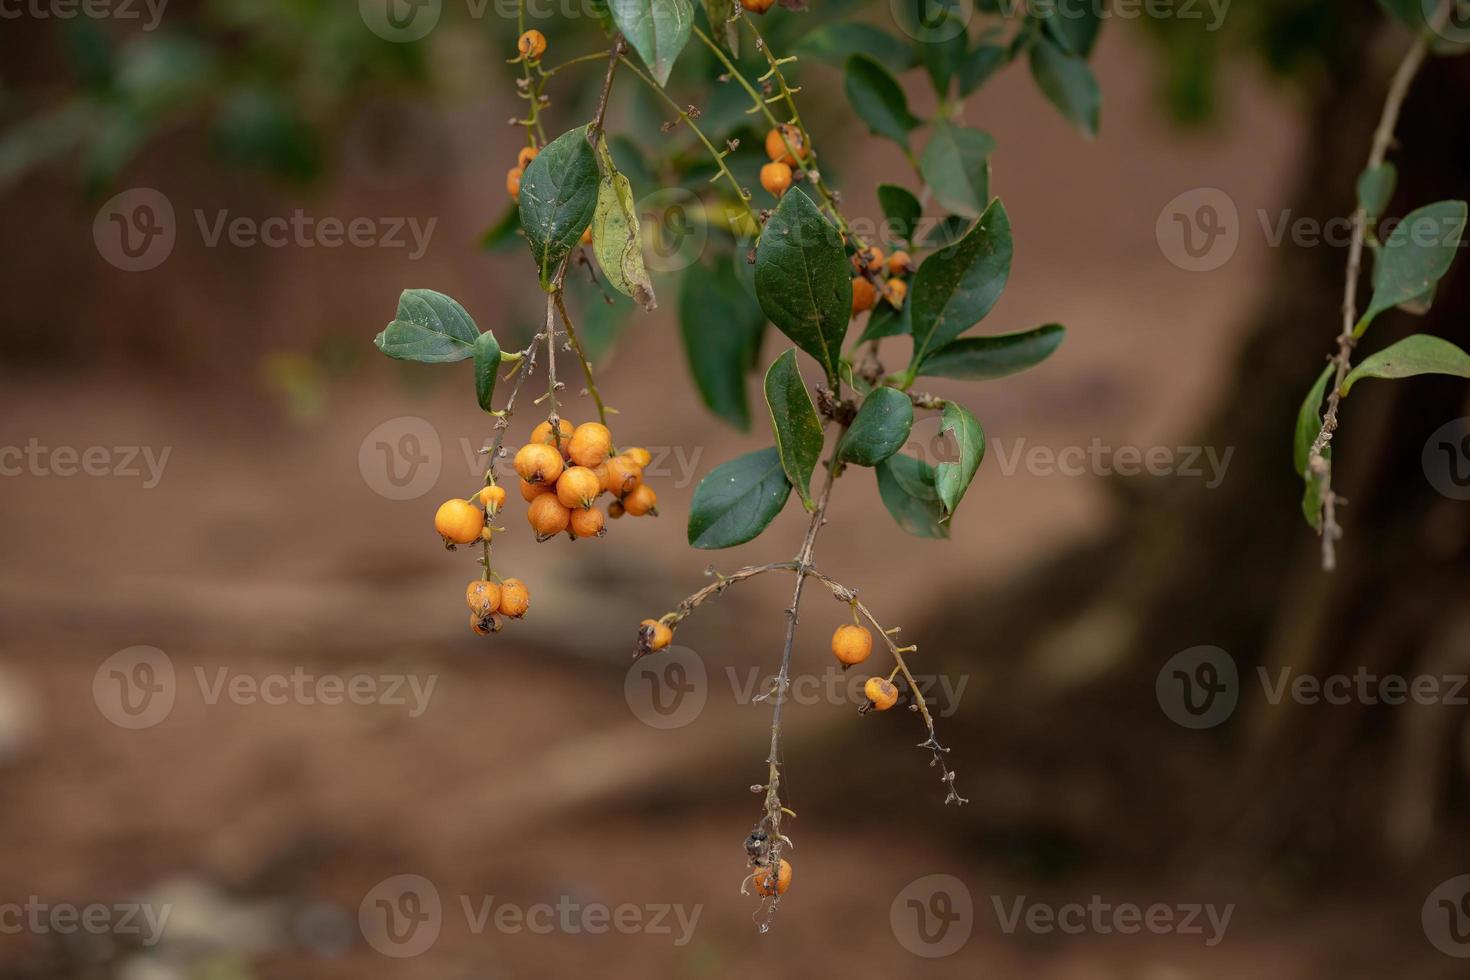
(566, 320)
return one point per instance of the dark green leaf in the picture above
(1074, 25)
(984, 358)
(722, 27)
(908, 491)
(902, 209)
(948, 230)
(558, 198)
(834, 43)
(1375, 189)
(944, 56)
(721, 326)
(1416, 354)
(796, 422)
(885, 321)
(958, 285)
(430, 328)
(956, 165)
(1312, 498)
(802, 279)
(1068, 83)
(951, 480)
(735, 502)
(878, 99)
(979, 65)
(503, 234)
(487, 365)
(880, 428)
(1416, 256)
(657, 29)
(1309, 421)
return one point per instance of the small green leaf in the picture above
(503, 234)
(986, 358)
(951, 480)
(724, 29)
(487, 364)
(880, 428)
(737, 500)
(1309, 421)
(1416, 256)
(1375, 189)
(1416, 354)
(1068, 84)
(956, 165)
(907, 487)
(902, 209)
(1074, 25)
(885, 321)
(957, 286)
(802, 279)
(657, 29)
(945, 53)
(430, 328)
(834, 43)
(979, 65)
(617, 238)
(795, 420)
(721, 326)
(558, 198)
(1312, 497)
(878, 99)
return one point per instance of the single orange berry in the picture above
(870, 258)
(894, 291)
(641, 500)
(881, 692)
(527, 154)
(486, 534)
(615, 509)
(864, 296)
(900, 263)
(532, 45)
(513, 182)
(459, 521)
(587, 523)
(757, 6)
(537, 462)
(639, 455)
(655, 635)
(776, 177)
(776, 146)
(852, 644)
(783, 879)
(547, 516)
(591, 443)
(493, 498)
(542, 433)
(515, 598)
(483, 597)
(578, 487)
(622, 475)
(587, 236)
(530, 491)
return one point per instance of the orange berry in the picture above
(852, 644)
(459, 521)
(622, 475)
(591, 443)
(655, 635)
(615, 509)
(513, 182)
(639, 455)
(587, 236)
(537, 462)
(757, 6)
(900, 263)
(530, 491)
(486, 534)
(483, 597)
(881, 692)
(547, 516)
(587, 523)
(578, 487)
(870, 258)
(864, 296)
(783, 879)
(776, 146)
(640, 500)
(527, 154)
(493, 498)
(542, 433)
(894, 290)
(776, 177)
(532, 45)
(515, 598)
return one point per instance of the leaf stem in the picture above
(566, 320)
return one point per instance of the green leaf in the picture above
(1416, 256)
(885, 321)
(1074, 25)
(1416, 354)
(737, 500)
(802, 279)
(1375, 189)
(907, 486)
(616, 236)
(1068, 84)
(979, 65)
(878, 99)
(880, 428)
(951, 480)
(1312, 498)
(430, 328)
(487, 364)
(902, 209)
(722, 27)
(985, 358)
(657, 29)
(1309, 421)
(798, 427)
(958, 285)
(558, 198)
(502, 235)
(721, 326)
(956, 165)
(834, 43)
(945, 54)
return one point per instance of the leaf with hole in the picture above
(951, 480)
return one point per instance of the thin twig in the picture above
(594, 130)
(566, 320)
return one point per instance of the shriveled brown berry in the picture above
(486, 624)
(655, 635)
(590, 445)
(578, 487)
(852, 644)
(863, 295)
(764, 885)
(515, 598)
(547, 516)
(537, 462)
(587, 523)
(482, 597)
(542, 433)
(623, 475)
(615, 509)
(881, 692)
(640, 500)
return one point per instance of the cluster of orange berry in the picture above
(461, 522)
(776, 175)
(851, 645)
(562, 475)
(870, 266)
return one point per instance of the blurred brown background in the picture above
(267, 543)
